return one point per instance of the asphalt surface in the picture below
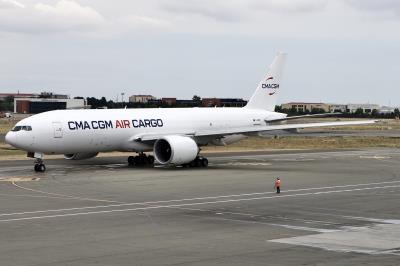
(321, 133)
(336, 208)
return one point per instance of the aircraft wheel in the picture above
(42, 168)
(192, 163)
(143, 160)
(150, 160)
(197, 162)
(204, 162)
(131, 160)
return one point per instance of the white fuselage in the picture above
(100, 130)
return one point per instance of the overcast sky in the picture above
(339, 51)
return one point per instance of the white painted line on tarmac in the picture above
(62, 195)
(185, 199)
(374, 220)
(195, 203)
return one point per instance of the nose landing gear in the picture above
(39, 165)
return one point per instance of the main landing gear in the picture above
(200, 161)
(141, 160)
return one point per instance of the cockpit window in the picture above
(24, 128)
(16, 128)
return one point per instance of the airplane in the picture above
(175, 135)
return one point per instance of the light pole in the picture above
(122, 98)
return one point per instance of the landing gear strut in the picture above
(200, 161)
(141, 160)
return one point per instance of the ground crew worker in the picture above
(278, 185)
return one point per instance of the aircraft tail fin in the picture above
(267, 90)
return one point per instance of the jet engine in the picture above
(175, 150)
(80, 156)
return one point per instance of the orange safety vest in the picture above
(277, 183)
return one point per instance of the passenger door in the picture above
(57, 128)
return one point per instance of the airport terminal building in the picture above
(39, 105)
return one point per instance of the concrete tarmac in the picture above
(320, 133)
(336, 208)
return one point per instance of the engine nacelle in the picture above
(175, 150)
(80, 156)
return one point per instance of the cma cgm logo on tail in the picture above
(270, 86)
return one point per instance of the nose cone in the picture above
(11, 138)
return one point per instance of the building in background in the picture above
(141, 98)
(367, 108)
(337, 108)
(210, 102)
(232, 102)
(386, 110)
(223, 102)
(39, 105)
(303, 107)
(50, 95)
(186, 103)
(168, 101)
(4, 96)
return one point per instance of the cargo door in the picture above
(57, 128)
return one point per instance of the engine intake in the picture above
(175, 150)
(80, 156)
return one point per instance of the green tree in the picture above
(317, 111)
(397, 112)
(196, 100)
(375, 113)
(359, 112)
(8, 103)
(103, 101)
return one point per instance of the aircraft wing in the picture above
(253, 129)
(283, 127)
(301, 116)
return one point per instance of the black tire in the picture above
(204, 162)
(192, 163)
(142, 160)
(42, 168)
(36, 167)
(150, 160)
(131, 160)
(197, 162)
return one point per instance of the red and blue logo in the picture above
(270, 86)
